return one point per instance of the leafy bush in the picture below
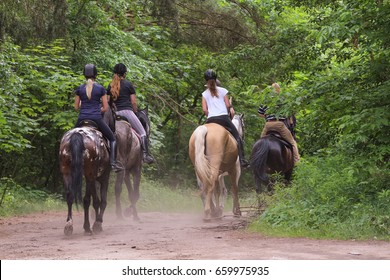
(16, 199)
(331, 198)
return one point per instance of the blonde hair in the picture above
(212, 86)
(115, 86)
(89, 87)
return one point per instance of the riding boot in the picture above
(145, 148)
(243, 162)
(114, 165)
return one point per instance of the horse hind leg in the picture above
(133, 193)
(288, 175)
(118, 191)
(201, 189)
(68, 229)
(128, 212)
(234, 177)
(220, 197)
(208, 202)
(135, 197)
(90, 185)
(100, 205)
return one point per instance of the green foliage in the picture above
(32, 20)
(330, 198)
(16, 199)
(36, 94)
(14, 117)
(35, 88)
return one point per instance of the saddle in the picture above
(88, 123)
(276, 134)
(121, 118)
(124, 119)
(93, 124)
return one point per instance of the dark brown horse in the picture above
(130, 155)
(270, 154)
(213, 152)
(83, 152)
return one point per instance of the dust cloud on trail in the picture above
(166, 236)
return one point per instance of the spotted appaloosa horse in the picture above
(214, 154)
(84, 152)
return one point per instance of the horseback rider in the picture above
(216, 107)
(91, 100)
(281, 124)
(123, 96)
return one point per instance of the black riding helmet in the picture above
(210, 74)
(120, 69)
(90, 71)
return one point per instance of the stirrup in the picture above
(148, 159)
(244, 164)
(116, 168)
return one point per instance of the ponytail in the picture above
(212, 85)
(89, 88)
(115, 86)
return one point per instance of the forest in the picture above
(331, 58)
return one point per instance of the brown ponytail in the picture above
(212, 86)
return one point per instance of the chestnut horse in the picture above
(214, 154)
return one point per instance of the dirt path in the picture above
(166, 236)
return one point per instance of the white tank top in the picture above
(216, 105)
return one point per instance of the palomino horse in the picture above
(238, 121)
(214, 154)
(83, 151)
(271, 154)
(130, 155)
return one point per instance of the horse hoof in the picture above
(237, 215)
(97, 227)
(119, 214)
(68, 230)
(128, 212)
(136, 218)
(220, 212)
(207, 217)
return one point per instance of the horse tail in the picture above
(77, 149)
(202, 165)
(258, 161)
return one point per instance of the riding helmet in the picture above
(210, 74)
(90, 71)
(120, 69)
